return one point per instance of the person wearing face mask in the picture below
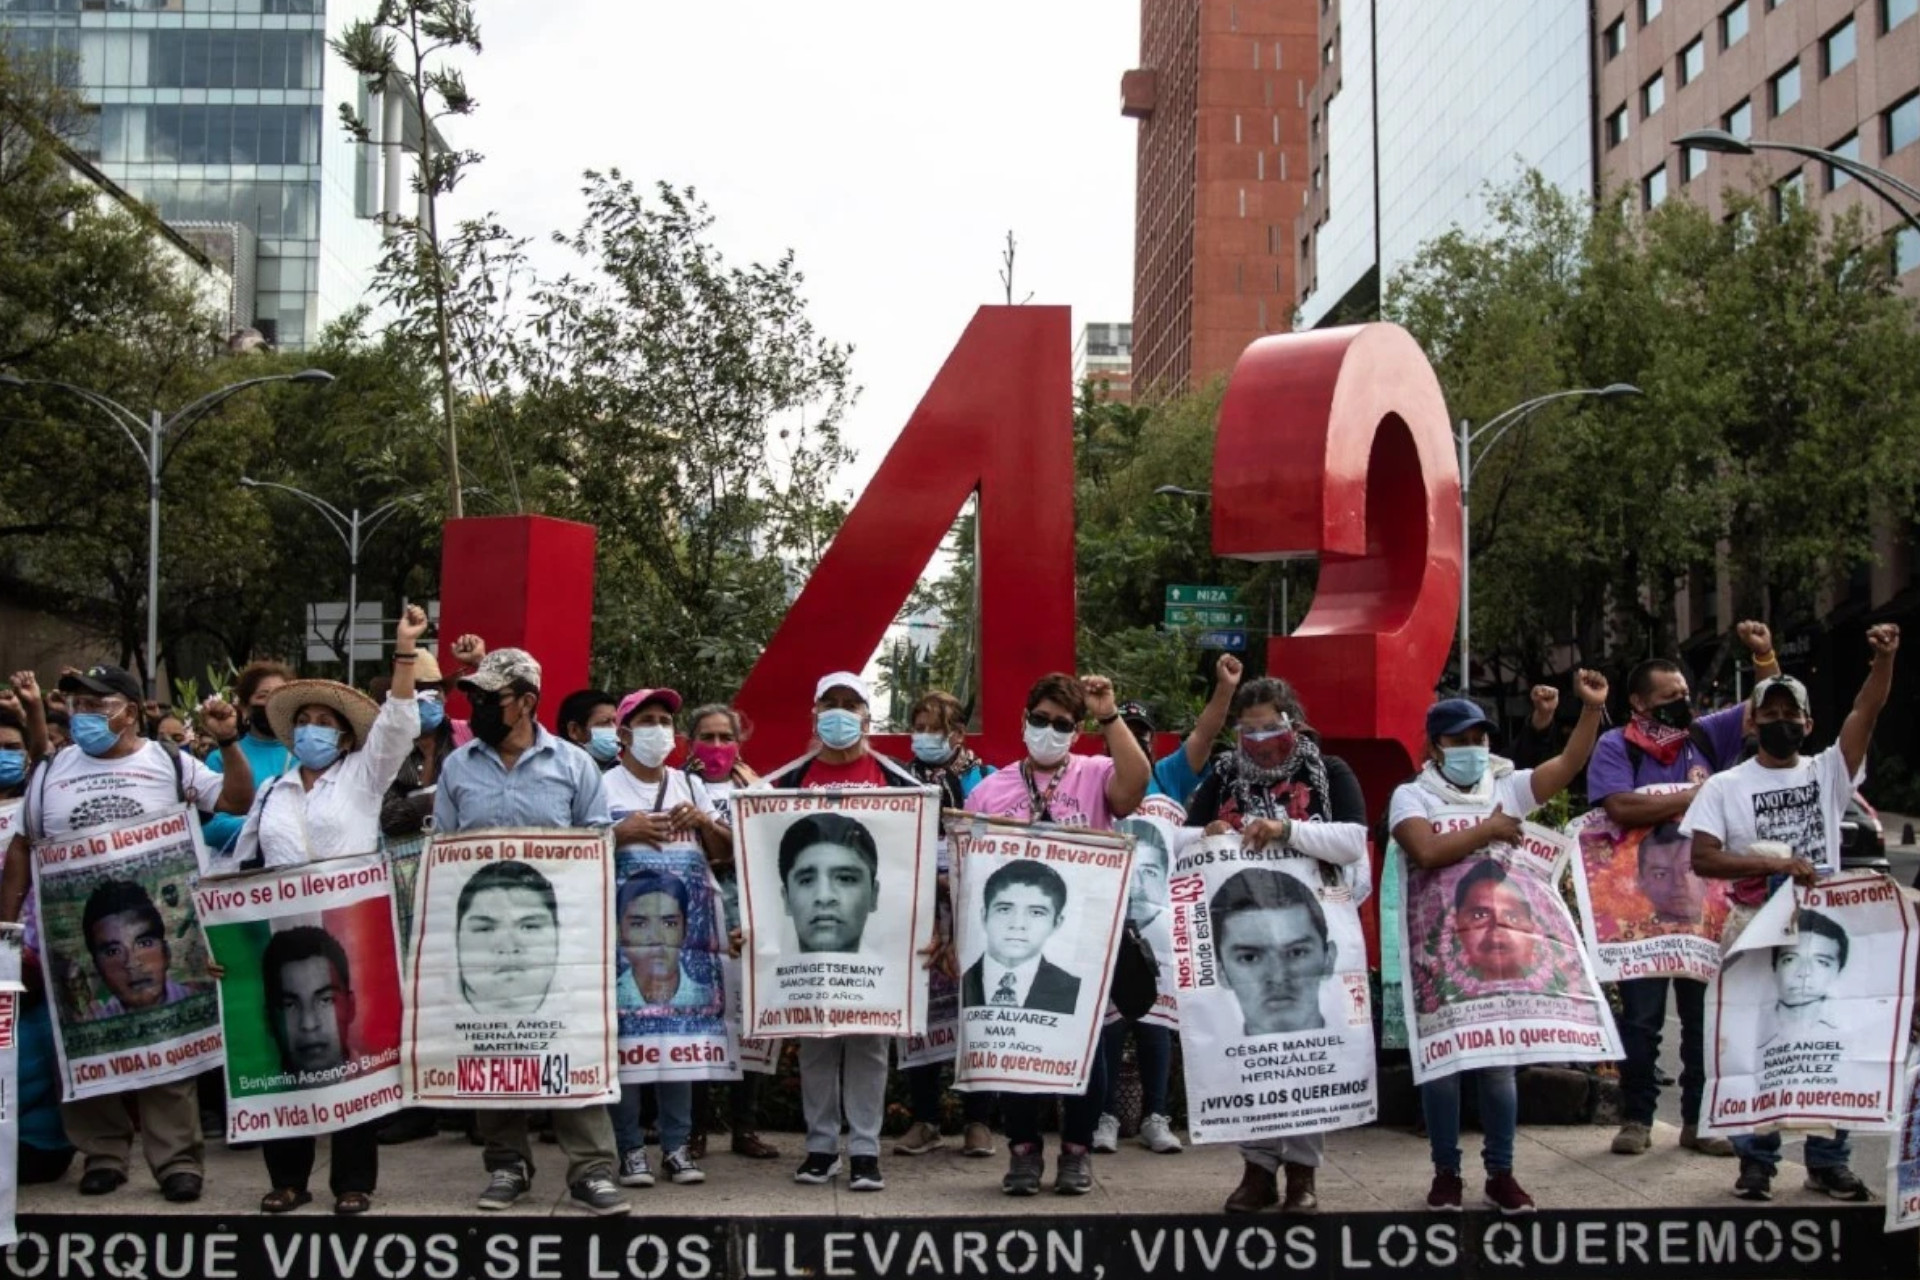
(21, 698)
(843, 1075)
(113, 775)
(13, 763)
(1645, 774)
(1458, 806)
(1054, 786)
(516, 774)
(1278, 790)
(587, 721)
(346, 753)
(1795, 803)
(266, 755)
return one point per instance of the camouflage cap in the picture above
(501, 668)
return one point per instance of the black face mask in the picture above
(258, 722)
(489, 722)
(1677, 714)
(1781, 739)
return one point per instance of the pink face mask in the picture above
(716, 759)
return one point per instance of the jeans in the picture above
(1079, 1112)
(924, 1087)
(1153, 1051)
(1822, 1152)
(1499, 1117)
(1643, 1016)
(675, 1101)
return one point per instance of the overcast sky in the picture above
(889, 145)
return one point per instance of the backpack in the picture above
(167, 745)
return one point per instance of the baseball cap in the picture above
(501, 668)
(103, 680)
(842, 680)
(1132, 711)
(1784, 684)
(1456, 715)
(641, 697)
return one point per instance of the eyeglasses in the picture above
(1059, 724)
(82, 705)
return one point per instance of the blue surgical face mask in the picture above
(837, 728)
(1464, 766)
(932, 748)
(316, 745)
(433, 714)
(91, 733)
(13, 768)
(603, 744)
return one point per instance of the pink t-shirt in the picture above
(1078, 800)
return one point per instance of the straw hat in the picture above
(426, 667)
(351, 705)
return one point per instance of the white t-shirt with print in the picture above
(1800, 807)
(627, 795)
(1513, 794)
(80, 791)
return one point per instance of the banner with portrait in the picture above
(1903, 1153)
(1643, 912)
(1038, 915)
(760, 1055)
(837, 889)
(1807, 1021)
(125, 962)
(509, 980)
(1276, 1017)
(1156, 827)
(310, 997)
(11, 989)
(941, 1040)
(1496, 973)
(670, 987)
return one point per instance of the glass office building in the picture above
(226, 112)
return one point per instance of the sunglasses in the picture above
(1059, 724)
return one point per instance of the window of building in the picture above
(1903, 123)
(1693, 61)
(1614, 39)
(1774, 4)
(1653, 94)
(1784, 89)
(1653, 188)
(1895, 12)
(1906, 250)
(1693, 163)
(1739, 121)
(1837, 48)
(1849, 147)
(1617, 128)
(1326, 54)
(1787, 192)
(1649, 10)
(1733, 25)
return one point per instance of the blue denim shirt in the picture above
(552, 784)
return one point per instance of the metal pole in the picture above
(353, 588)
(1286, 609)
(1466, 562)
(154, 429)
(1270, 630)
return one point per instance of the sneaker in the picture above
(865, 1174)
(634, 1169)
(1633, 1139)
(1106, 1135)
(1156, 1135)
(1507, 1195)
(1073, 1171)
(597, 1194)
(1690, 1139)
(1839, 1182)
(504, 1188)
(681, 1168)
(1755, 1181)
(918, 1140)
(818, 1168)
(977, 1143)
(1444, 1195)
(1023, 1169)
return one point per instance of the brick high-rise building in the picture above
(1221, 96)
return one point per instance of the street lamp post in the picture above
(157, 430)
(1465, 437)
(1878, 181)
(352, 529)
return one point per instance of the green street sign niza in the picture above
(1194, 593)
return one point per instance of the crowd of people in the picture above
(297, 770)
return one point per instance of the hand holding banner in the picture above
(671, 991)
(1643, 912)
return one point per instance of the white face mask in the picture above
(652, 743)
(1047, 746)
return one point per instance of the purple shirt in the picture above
(1611, 770)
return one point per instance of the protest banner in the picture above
(1156, 827)
(403, 856)
(837, 888)
(11, 989)
(1807, 1020)
(310, 1000)
(1393, 987)
(1038, 915)
(509, 981)
(939, 1042)
(1903, 1153)
(760, 1055)
(671, 988)
(1276, 1019)
(1643, 913)
(1495, 971)
(125, 962)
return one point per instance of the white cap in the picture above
(842, 680)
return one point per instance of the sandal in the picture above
(352, 1202)
(284, 1199)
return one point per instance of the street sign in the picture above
(1191, 593)
(1231, 641)
(1206, 615)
